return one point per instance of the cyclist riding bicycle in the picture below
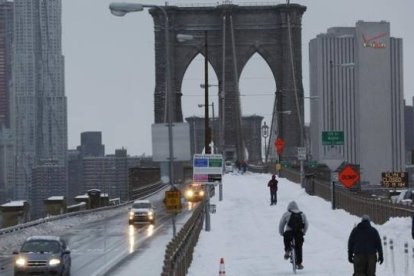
(293, 224)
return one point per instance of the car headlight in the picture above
(21, 262)
(131, 214)
(53, 262)
(189, 193)
(201, 193)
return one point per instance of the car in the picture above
(194, 192)
(43, 255)
(405, 197)
(142, 212)
(228, 166)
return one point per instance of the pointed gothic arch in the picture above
(235, 33)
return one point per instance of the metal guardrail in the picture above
(139, 193)
(179, 252)
(353, 201)
(146, 190)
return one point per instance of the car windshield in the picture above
(228, 163)
(409, 195)
(141, 205)
(41, 246)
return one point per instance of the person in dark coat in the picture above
(363, 245)
(272, 184)
(288, 233)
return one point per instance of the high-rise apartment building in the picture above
(39, 114)
(409, 132)
(356, 84)
(6, 38)
(6, 135)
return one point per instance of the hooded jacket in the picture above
(364, 239)
(292, 208)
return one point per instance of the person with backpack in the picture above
(293, 224)
(272, 184)
(363, 245)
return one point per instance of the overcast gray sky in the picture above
(109, 65)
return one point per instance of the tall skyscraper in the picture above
(6, 137)
(356, 75)
(6, 38)
(39, 114)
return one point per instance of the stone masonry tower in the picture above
(234, 34)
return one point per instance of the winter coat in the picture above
(272, 184)
(364, 239)
(292, 208)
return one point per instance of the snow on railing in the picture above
(226, 2)
(143, 192)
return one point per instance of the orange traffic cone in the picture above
(222, 271)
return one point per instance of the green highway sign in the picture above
(332, 138)
(215, 162)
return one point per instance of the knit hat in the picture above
(365, 217)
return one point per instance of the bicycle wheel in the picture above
(293, 255)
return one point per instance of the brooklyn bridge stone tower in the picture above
(233, 34)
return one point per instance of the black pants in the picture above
(273, 197)
(287, 238)
(365, 264)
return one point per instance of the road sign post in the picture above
(301, 158)
(348, 176)
(279, 145)
(208, 170)
(173, 201)
(333, 160)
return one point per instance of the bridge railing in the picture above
(356, 203)
(77, 209)
(179, 252)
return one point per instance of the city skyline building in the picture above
(6, 135)
(47, 178)
(6, 39)
(38, 104)
(91, 144)
(409, 132)
(356, 74)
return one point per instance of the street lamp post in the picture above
(206, 117)
(279, 127)
(207, 136)
(220, 142)
(265, 134)
(121, 9)
(212, 126)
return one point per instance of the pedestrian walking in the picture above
(272, 184)
(363, 246)
(293, 224)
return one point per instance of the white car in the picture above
(142, 212)
(405, 197)
(228, 166)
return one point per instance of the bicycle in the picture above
(292, 254)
